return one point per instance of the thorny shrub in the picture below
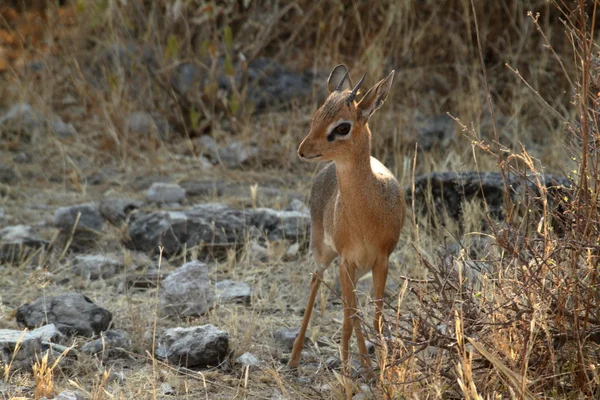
(521, 321)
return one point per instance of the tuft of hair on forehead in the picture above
(332, 106)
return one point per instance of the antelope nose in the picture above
(300, 154)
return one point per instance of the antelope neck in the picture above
(355, 172)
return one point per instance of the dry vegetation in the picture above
(523, 88)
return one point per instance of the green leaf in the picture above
(172, 47)
(113, 82)
(211, 89)
(228, 37)
(234, 104)
(194, 118)
(203, 51)
(81, 5)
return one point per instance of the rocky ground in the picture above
(194, 277)
(153, 258)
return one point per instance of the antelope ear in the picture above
(336, 76)
(375, 97)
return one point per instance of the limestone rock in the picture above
(187, 291)
(165, 193)
(229, 291)
(96, 266)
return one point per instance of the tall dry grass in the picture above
(518, 320)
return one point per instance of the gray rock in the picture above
(288, 225)
(72, 313)
(371, 346)
(187, 291)
(167, 389)
(96, 266)
(17, 242)
(222, 189)
(102, 175)
(293, 250)
(22, 157)
(165, 193)
(142, 123)
(204, 188)
(271, 85)
(47, 333)
(29, 347)
(286, 337)
(207, 147)
(229, 291)
(237, 154)
(148, 232)
(437, 131)
(89, 225)
(450, 189)
(22, 234)
(248, 360)
(69, 395)
(112, 343)
(3, 217)
(21, 111)
(256, 252)
(116, 211)
(117, 377)
(8, 175)
(143, 182)
(333, 362)
(30, 344)
(213, 225)
(22, 119)
(186, 76)
(299, 206)
(62, 129)
(198, 346)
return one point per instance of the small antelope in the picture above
(356, 204)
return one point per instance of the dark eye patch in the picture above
(341, 130)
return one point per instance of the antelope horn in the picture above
(352, 94)
(339, 86)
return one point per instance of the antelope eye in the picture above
(342, 129)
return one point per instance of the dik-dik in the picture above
(356, 204)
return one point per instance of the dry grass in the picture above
(524, 329)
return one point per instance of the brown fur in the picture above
(357, 208)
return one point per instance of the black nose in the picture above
(301, 155)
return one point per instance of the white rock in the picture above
(298, 205)
(96, 266)
(165, 193)
(247, 359)
(256, 252)
(187, 291)
(228, 291)
(68, 395)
